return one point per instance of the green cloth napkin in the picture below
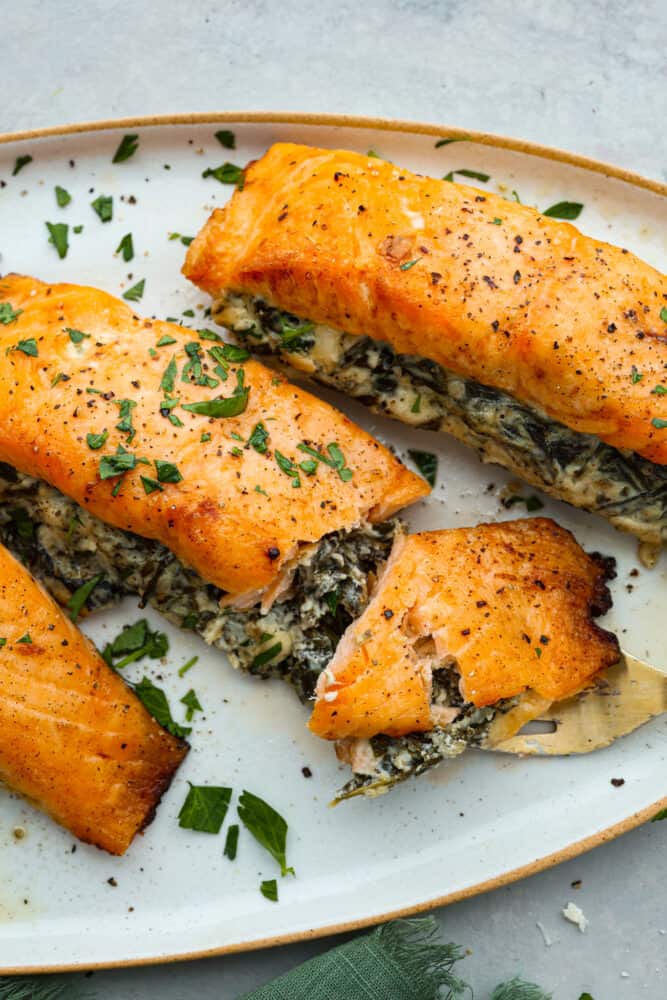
(402, 960)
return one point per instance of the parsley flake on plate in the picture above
(569, 210)
(126, 247)
(232, 842)
(155, 701)
(205, 808)
(21, 162)
(63, 197)
(135, 293)
(269, 889)
(226, 138)
(267, 827)
(58, 236)
(226, 173)
(191, 702)
(127, 148)
(103, 205)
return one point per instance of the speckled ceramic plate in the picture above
(467, 826)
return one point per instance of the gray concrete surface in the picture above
(589, 77)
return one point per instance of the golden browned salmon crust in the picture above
(74, 739)
(491, 290)
(508, 605)
(94, 400)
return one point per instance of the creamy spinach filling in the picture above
(64, 546)
(384, 761)
(622, 486)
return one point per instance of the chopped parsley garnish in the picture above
(125, 423)
(417, 404)
(427, 463)
(474, 175)
(135, 293)
(447, 142)
(187, 666)
(28, 347)
(288, 467)
(185, 240)
(232, 842)
(155, 701)
(408, 264)
(258, 489)
(7, 314)
(267, 827)
(515, 195)
(76, 336)
(58, 232)
(373, 155)
(267, 655)
(77, 229)
(663, 314)
(564, 210)
(205, 808)
(532, 502)
(258, 438)
(150, 485)
(166, 406)
(127, 148)
(206, 436)
(103, 205)
(207, 334)
(21, 162)
(169, 377)
(226, 138)
(126, 247)
(226, 173)
(119, 463)
(635, 375)
(497, 221)
(165, 339)
(96, 441)
(269, 889)
(190, 314)
(3, 642)
(335, 459)
(193, 370)
(60, 377)
(232, 353)
(81, 595)
(659, 390)
(25, 639)
(63, 197)
(659, 815)
(191, 702)
(309, 466)
(229, 406)
(659, 423)
(167, 472)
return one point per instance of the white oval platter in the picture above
(467, 826)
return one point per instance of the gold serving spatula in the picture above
(623, 698)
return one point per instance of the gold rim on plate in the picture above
(385, 125)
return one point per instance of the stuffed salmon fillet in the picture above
(164, 463)
(451, 308)
(470, 633)
(74, 739)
